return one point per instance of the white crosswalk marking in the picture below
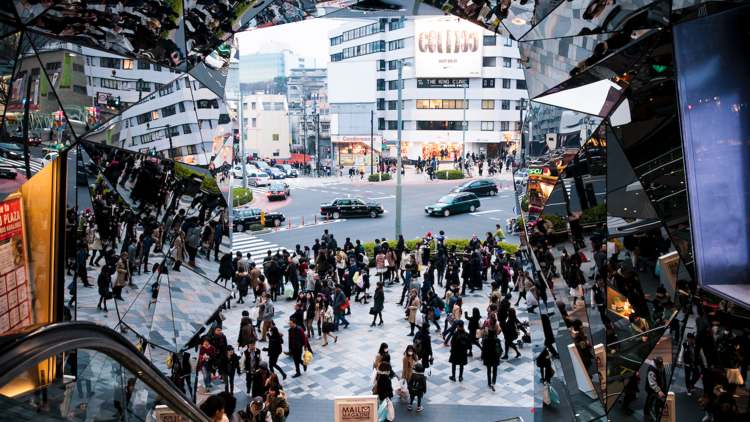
(305, 183)
(20, 165)
(258, 247)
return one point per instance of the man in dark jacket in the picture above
(502, 312)
(423, 345)
(259, 380)
(297, 344)
(339, 300)
(332, 244)
(291, 277)
(459, 351)
(251, 359)
(219, 341)
(656, 384)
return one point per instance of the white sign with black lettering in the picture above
(447, 48)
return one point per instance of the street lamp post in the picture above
(401, 65)
(463, 130)
(139, 81)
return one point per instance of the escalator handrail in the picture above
(20, 351)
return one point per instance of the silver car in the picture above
(257, 178)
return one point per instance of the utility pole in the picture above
(304, 119)
(242, 141)
(398, 153)
(26, 128)
(317, 134)
(372, 150)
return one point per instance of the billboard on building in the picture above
(447, 48)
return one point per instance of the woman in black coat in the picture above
(104, 282)
(510, 332)
(491, 351)
(460, 346)
(378, 304)
(226, 270)
(275, 348)
(383, 378)
(274, 278)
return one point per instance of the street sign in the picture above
(514, 210)
(390, 143)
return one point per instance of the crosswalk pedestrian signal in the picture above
(263, 218)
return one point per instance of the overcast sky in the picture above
(308, 38)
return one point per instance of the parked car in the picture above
(11, 151)
(477, 187)
(262, 165)
(246, 217)
(278, 189)
(276, 173)
(48, 158)
(33, 139)
(7, 169)
(453, 203)
(288, 170)
(237, 171)
(257, 178)
(351, 207)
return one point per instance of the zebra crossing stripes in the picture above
(256, 246)
(20, 165)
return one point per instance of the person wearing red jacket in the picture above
(297, 345)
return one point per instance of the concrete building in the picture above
(444, 54)
(307, 91)
(266, 123)
(273, 59)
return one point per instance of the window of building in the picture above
(275, 136)
(109, 62)
(393, 124)
(488, 125)
(127, 64)
(520, 84)
(507, 42)
(155, 115)
(244, 122)
(254, 122)
(488, 83)
(76, 68)
(517, 126)
(278, 106)
(168, 111)
(267, 106)
(381, 85)
(166, 90)
(144, 65)
(380, 65)
(489, 61)
(490, 40)
(35, 71)
(176, 152)
(506, 62)
(360, 32)
(325, 127)
(394, 84)
(504, 125)
(519, 65)
(505, 104)
(244, 106)
(149, 137)
(441, 104)
(253, 103)
(337, 40)
(396, 44)
(205, 104)
(393, 65)
(395, 24)
(192, 149)
(186, 129)
(143, 86)
(438, 125)
(381, 104)
(157, 68)
(108, 83)
(172, 131)
(488, 104)
(393, 105)
(143, 118)
(52, 66)
(381, 123)
(78, 89)
(506, 83)
(181, 106)
(223, 119)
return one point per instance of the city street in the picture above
(308, 193)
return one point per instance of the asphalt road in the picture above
(414, 222)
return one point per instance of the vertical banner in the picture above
(15, 297)
(44, 84)
(67, 70)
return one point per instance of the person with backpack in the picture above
(417, 386)
(459, 350)
(491, 352)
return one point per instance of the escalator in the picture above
(85, 372)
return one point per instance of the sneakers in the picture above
(419, 409)
(410, 408)
(317, 338)
(492, 387)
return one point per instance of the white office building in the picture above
(273, 59)
(443, 53)
(265, 119)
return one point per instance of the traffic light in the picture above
(328, 149)
(117, 102)
(263, 218)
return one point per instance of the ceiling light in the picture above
(519, 21)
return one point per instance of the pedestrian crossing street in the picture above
(324, 185)
(258, 247)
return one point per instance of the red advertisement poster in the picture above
(15, 295)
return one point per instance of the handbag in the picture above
(345, 305)
(546, 398)
(437, 313)
(307, 357)
(583, 257)
(372, 310)
(328, 327)
(526, 338)
(108, 296)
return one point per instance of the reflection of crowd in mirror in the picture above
(203, 22)
(136, 27)
(280, 12)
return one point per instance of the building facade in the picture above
(441, 55)
(265, 119)
(307, 93)
(273, 59)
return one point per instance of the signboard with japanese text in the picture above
(447, 48)
(15, 294)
